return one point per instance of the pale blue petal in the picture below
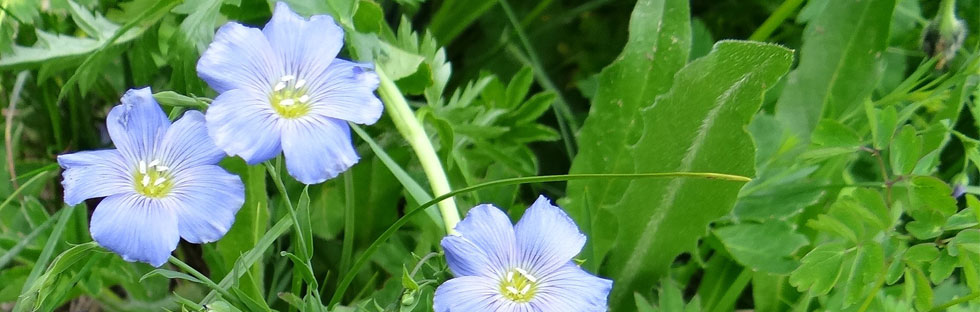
(92, 174)
(572, 289)
(306, 47)
(346, 91)
(489, 230)
(239, 57)
(546, 238)
(187, 144)
(137, 125)
(467, 259)
(206, 199)
(469, 294)
(135, 227)
(243, 123)
(317, 149)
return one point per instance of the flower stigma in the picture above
(518, 285)
(152, 179)
(289, 97)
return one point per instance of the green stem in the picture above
(410, 127)
(956, 301)
(733, 290)
(777, 18)
(204, 279)
(364, 257)
(292, 211)
(347, 249)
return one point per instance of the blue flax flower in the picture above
(283, 89)
(527, 267)
(161, 182)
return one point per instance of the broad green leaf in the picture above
(905, 151)
(820, 269)
(658, 46)
(864, 272)
(838, 65)
(767, 246)
(697, 126)
(921, 253)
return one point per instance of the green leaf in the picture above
(921, 253)
(251, 222)
(838, 65)
(657, 48)
(698, 126)
(905, 151)
(867, 266)
(170, 275)
(820, 269)
(832, 133)
(767, 246)
(923, 291)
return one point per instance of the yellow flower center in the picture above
(518, 285)
(289, 97)
(152, 179)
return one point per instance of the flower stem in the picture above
(410, 127)
(777, 18)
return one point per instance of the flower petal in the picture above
(546, 237)
(306, 47)
(469, 294)
(346, 91)
(92, 174)
(489, 230)
(206, 199)
(244, 124)
(467, 259)
(187, 144)
(317, 149)
(135, 227)
(137, 125)
(572, 289)
(239, 57)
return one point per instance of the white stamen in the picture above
(146, 180)
(525, 289)
(510, 276)
(527, 275)
(142, 167)
(300, 83)
(305, 98)
(512, 290)
(287, 78)
(287, 102)
(162, 168)
(159, 181)
(279, 86)
(153, 163)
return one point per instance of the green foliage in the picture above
(863, 152)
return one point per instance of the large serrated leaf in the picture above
(697, 126)
(658, 46)
(839, 63)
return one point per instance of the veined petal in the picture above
(137, 125)
(306, 47)
(469, 294)
(317, 149)
(206, 199)
(467, 259)
(92, 174)
(572, 289)
(239, 57)
(244, 124)
(187, 144)
(135, 227)
(546, 237)
(346, 91)
(490, 230)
